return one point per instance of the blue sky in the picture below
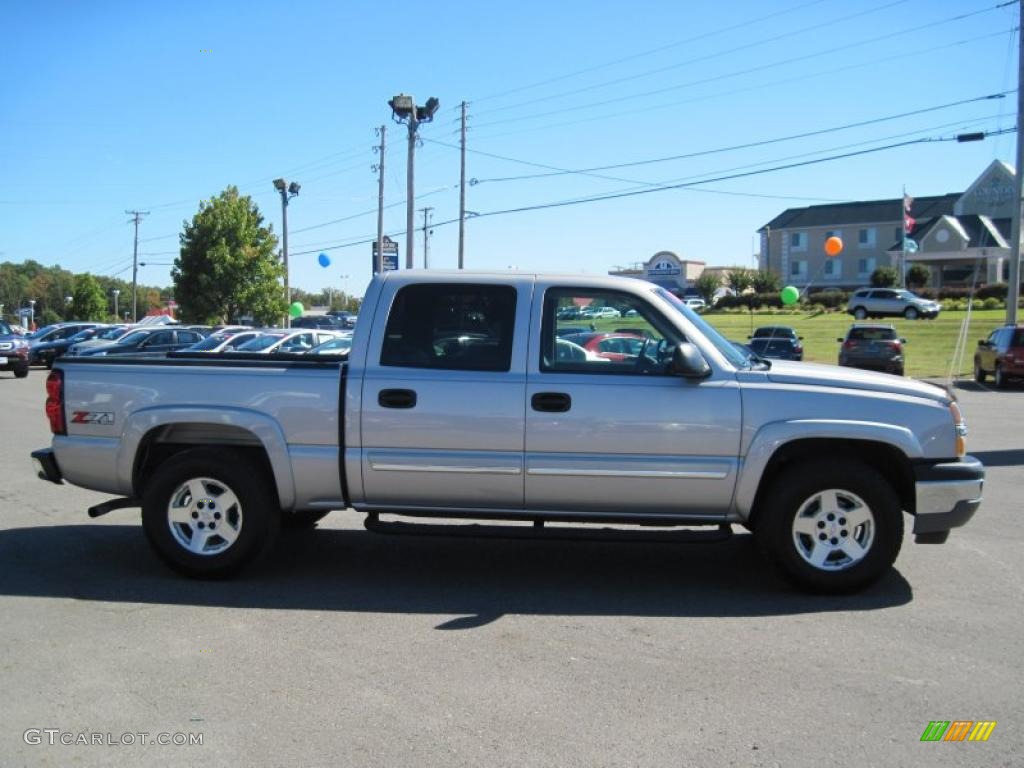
(110, 106)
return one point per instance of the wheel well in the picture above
(161, 443)
(887, 460)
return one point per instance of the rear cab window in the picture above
(451, 326)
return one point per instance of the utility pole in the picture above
(426, 237)
(462, 187)
(1013, 294)
(378, 259)
(136, 217)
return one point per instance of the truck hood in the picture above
(816, 374)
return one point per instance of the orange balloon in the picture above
(833, 246)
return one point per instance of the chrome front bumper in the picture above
(947, 496)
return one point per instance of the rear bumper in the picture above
(46, 464)
(947, 496)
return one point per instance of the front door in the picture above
(442, 401)
(613, 432)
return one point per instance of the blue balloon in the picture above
(324, 260)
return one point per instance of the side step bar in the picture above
(539, 531)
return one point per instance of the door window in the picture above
(159, 339)
(451, 327)
(632, 340)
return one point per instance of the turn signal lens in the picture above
(55, 402)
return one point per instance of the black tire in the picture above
(21, 371)
(899, 371)
(998, 377)
(305, 518)
(218, 471)
(860, 313)
(979, 372)
(795, 490)
(911, 313)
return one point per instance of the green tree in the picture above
(88, 301)
(884, 277)
(227, 268)
(767, 281)
(740, 279)
(918, 275)
(706, 285)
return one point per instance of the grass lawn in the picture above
(931, 344)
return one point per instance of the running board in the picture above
(109, 506)
(538, 531)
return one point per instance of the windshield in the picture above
(41, 332)
(133, 338)
(5, 328)
(722, 344)
(261, 342)
(83, 335)
(210, 342)
(113, 333)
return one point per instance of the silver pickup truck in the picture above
(466, 396)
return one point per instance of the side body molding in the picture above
(773, 436)
(265, 430)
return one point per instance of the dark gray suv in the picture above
(874, 347)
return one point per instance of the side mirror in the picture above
(688, 362)
(840, 339)
(903, 341)
(981, 342)
(799, 338)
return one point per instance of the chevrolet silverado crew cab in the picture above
(455, 402)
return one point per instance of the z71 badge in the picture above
(92, 417)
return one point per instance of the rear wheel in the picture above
(208, 513)
(979, 373)
(860, 313)
(999, 377)
(830, 526)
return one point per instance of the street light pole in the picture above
(404, 110)
(1013, 294)
(288, 191)
(116, 293)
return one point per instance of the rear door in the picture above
(443, 390)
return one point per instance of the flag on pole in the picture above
(908, 221)
(909, 245)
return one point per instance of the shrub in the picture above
(991, 303)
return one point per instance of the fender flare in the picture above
(264, 429)
(771, 437)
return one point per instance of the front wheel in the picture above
(910, 313)
(21, 372)
(830, 527)
(979, 373)
(208, 513)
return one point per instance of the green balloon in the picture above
(789, 295)
(295, 310)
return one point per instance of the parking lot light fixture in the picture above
(404, 110)
(288, 191)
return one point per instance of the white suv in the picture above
(890, 302)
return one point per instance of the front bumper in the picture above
(947, 496)
(46, 464)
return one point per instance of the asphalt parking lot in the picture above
(352, 648)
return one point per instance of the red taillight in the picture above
(55, 402)
(893, 345)
(849, 344)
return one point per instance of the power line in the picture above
(649, 52)
(554, 171)
(686, 185)
(759, 68)
(717, 54)
(758, 87)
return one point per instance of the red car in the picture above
(611, 346)
(1001, 355)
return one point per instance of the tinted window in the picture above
(160, 338)
(261, 342)
(765, 346)
(1018, 338)
(883, 295)
(189, 337)
(872, 334)
(454, 327)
